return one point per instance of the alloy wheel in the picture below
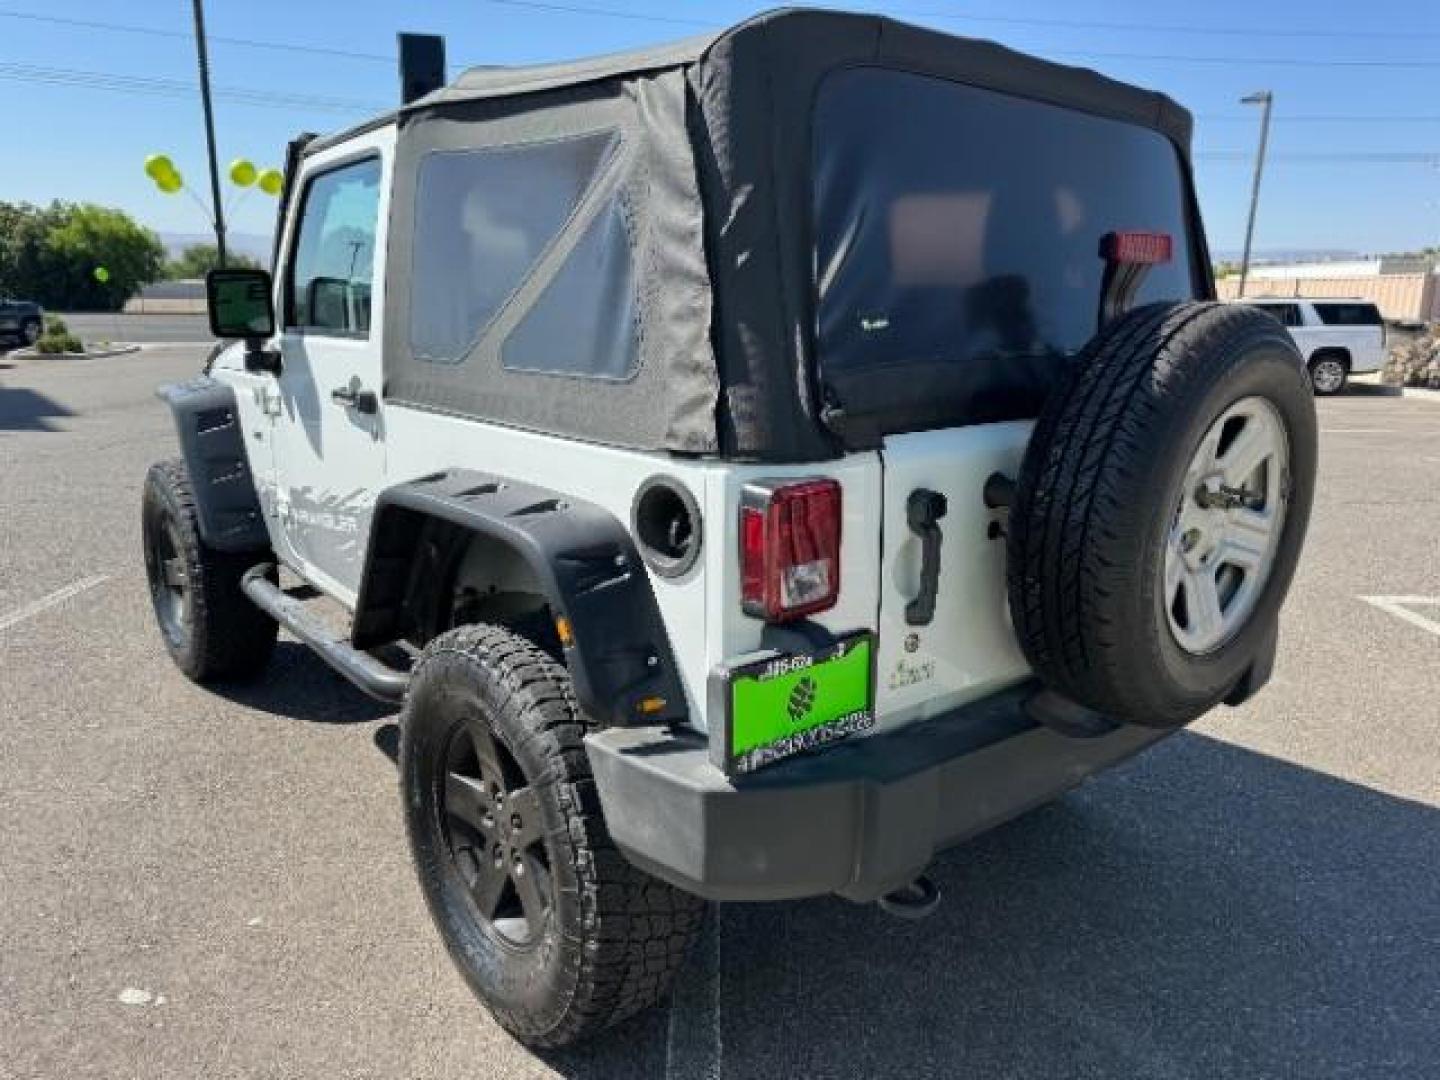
(495, 836)
(1227, 526)
(1328, 376)
(169, 582)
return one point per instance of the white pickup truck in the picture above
(1338, 338)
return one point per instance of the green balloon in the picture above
(272, 182)
(242, 172)
(102, 275)
(157, 165)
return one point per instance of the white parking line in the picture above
(59, 596)
(1400, 606)
(693, 1048)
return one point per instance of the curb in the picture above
(95, 354)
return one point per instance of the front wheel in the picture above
(211, 629)
(549, 924)
(30, 332)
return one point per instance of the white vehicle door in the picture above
(1356, 327)
(329, 422)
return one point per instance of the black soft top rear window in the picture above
(957, 235)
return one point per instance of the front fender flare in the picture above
(213, 446)
(619, 653)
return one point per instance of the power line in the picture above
(611, 13)
(155, 31)
(1396, 118)
(177, 88)
(1168, 28)
(1373, 157)
(555, 7)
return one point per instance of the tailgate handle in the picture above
(923, 512)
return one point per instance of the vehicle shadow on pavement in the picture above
(23, 409)
(299, 685)
(1204, 911)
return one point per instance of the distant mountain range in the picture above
(252, 244)
(1288, 255)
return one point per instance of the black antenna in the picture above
(218, 216)
(422, 65)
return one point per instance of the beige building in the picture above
(1405, 290)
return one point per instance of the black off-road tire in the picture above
(608, 938)
(1096, 504)
(211, 629)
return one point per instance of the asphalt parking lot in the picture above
(194, 884)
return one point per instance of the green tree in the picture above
(199, 259)
(91, 236)
(50, 254)
(23, 229)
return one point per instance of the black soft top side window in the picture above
(957, 236)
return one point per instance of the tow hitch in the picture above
(913, 901)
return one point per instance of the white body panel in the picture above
(325, 463)
(701, 609)
(968, 650)
(319, 467)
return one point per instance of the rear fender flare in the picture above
(580, 555)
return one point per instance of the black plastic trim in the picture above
(668, 566)
(858, 818)
(584, 560)
(213, 446)
(377, 679)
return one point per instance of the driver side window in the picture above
(333, 266)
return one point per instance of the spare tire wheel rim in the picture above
(1223, 540)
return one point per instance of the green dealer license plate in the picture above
(783, 705)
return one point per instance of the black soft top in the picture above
(716, 179)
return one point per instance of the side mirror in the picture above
(240, 303)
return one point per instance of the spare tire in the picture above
(1160, 511)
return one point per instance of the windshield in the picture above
(957, 235)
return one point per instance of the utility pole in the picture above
(1267, 99)
(218, 217)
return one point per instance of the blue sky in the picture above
(71, 139)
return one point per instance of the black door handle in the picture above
(923, 511)
(352, 397)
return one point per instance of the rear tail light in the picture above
(1144, 248)
(789, 548)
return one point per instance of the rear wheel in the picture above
(550, 925)
(1328, 373)
(1161, 509)
(211, 629)
(30, 332)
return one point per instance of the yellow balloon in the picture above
(271, 182)
(157, 165)
(242, 172)
(169, 183)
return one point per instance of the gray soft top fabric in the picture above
(484, 83)
(893, 41)
(716, 179)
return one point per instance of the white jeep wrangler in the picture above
(757, 464)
